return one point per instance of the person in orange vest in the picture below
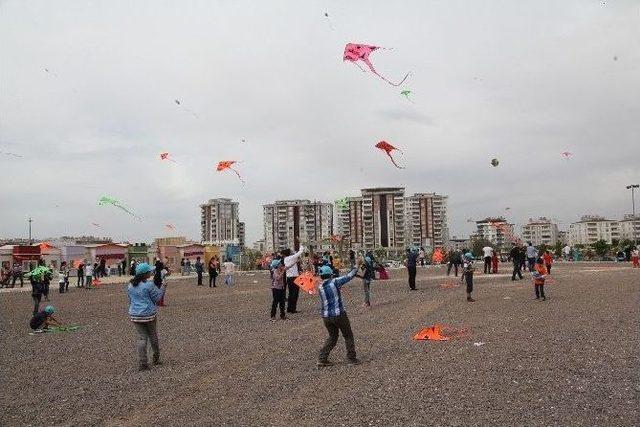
(539, 274)
(548, 260)
(635, 257)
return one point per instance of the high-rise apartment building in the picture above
(219, 222)
(426, 220)
(290, 223)
(383, 224)
(592, 228)
(496, 230)
(540, 231)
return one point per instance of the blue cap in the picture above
(325, 270)
(468, 255)
(49, 309)
(275, 263)
(367, 259)
(143, 268)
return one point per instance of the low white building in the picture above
(629, 227)
(540, 231)
(592, 228)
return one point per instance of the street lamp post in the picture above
(30, 221)
(633, 187)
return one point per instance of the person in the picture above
(188, 265)
(539, 275)
(103, 268)
(567, 252)
(455, 260)
(368, 272)
(411, 263)
(467, 274)
(352, 258)
(63, 277)
(278, 282)
(88, 274)
(199, 266)
(516, 258)
(334, 315)
(494, 262)
(119, 267)
(144, 296)
(5, 276)
(38, 277)
(183, 267)
(229, 268)
(132, 268)
(487, 252)
(214, 268)
(43, 319)
(421, 255)
(548, 260)
(532, 254)
(80, 275)
(46, 278)
(291, 265)
(635, 257)
(17, 274)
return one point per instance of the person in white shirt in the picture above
(228, 268)
(567, 251)
(487, 253)
(291, 264)
(88, 274)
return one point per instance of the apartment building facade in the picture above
(592, 228)
(291, 223)
(219, 222)
(540, 231)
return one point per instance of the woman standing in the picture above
(143, 296)
(214, 267)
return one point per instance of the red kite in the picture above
(307, 282)
(440, 332)
(226, 164)
(448, 285)
(165, 156)
(388, 148)
(360, 52)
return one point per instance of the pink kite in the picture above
(226, 164)
(567, 154)
(165, 156)
(388, 148)
(360, 52)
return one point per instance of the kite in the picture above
(171, 227)
(388, 148)
(360, 52)
(56, 329)
(244, 140)
(406, 94)
(567, 154)
(226, 164)
(177, 101)
(104, 200)
(46, 70)
(440, 332)
(448, 285)
(495, 162)
(6, 153)
(165, 156)
(507, 208)
(342, 203)
(307, 282)
(437, 256)
(95, 224)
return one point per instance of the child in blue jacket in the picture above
(144, 296)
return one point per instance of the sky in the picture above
(88, 90)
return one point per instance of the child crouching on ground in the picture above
(467, 274)
(539, 274)
(43, 319)
(334, 315)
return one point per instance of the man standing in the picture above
(199, 270)
(532, 253)
(17, 274)
(80, 275)
(567, 252)
(455, 260)
(412, 263)
(291, 264)
(487, 253)
(516, 259)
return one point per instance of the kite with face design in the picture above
(226, 164)
(388, 148)
(354, 52)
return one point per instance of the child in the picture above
(277, 287)
(467, 274)
(43, 319)
(334, 315)
(635, 258)
(539, 274)
(494, 262)
(368, 275)
(144, 296)
(229, 269)
(88, 274)
(548, 260)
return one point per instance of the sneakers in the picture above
(544, 298)
(323, 364)
(273, 319)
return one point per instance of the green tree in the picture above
(557, 249)
(477, 245)
(601, 247)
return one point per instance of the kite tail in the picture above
(373, 70)
(128, 211)
(394, 162)
(238, 175)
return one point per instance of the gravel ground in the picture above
(572, 360)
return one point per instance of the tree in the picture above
(557, 249)
(601, 247)
(477, 245)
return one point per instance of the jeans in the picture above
(487, 265)
(516, 270)
(412, 276)
(278, 300)
(367, 291)
(228, 279)
(147, 331)
(540, 291)
(455, 265)
(199, 278)
(88, 281)
(80, 281)
(469, 280)
(335, 325)
(294, 291)
(16, 277)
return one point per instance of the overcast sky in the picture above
(521, 81)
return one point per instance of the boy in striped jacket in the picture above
(334, 315)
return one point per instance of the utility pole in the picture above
(30, 221)
(632, 187)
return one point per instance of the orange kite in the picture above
(226, 164)
(440, 332)
(307, 282)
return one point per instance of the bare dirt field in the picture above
(571, 360)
